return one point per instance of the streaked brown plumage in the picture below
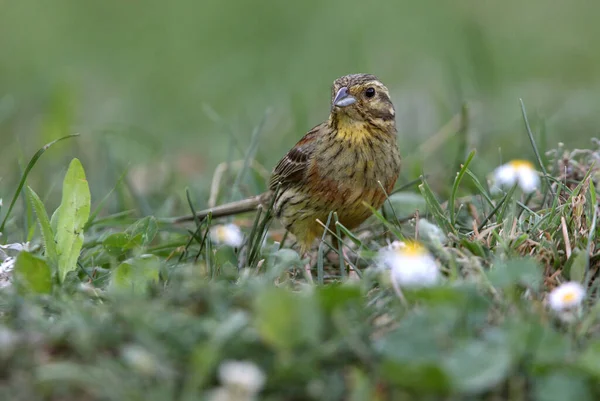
(338, 165)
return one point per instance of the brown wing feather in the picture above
(292, 167)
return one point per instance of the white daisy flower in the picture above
(410, 264)
(520, 172)
(242, 376)
(567, 296)
(7, 263)
(228, 234)
(16, 247)
(6, 268)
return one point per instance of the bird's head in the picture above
(362, 98)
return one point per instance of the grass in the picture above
(114, 302)
(152, 310)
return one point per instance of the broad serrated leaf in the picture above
(33, 273)
(44, 222)
(71, 217)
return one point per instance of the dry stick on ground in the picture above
(565, 234)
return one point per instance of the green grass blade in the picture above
(534, 145)
(320, 270)
(592, 230)
(30, 165)
(340, 249)
(480, 187)
(435, 208)
(254, 141)
(44, 221)
(98, 208)
(457, 180)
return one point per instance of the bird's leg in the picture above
(334, 256)
(308, 266)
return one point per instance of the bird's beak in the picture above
(343, 98)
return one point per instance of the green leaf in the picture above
(116, 244)
(145, 229)
(541, 344)
(136, 274)
(360, 386)
(517, 271)
(47, 233)
(33, 273)
(418, 338)
(72, 216)
(335, 296)
(424, 377)
(561, 386)
(54, 220)
(589, 360)
(476, 366)
(578, 265)
(286, 320)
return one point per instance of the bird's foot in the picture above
(334, 258)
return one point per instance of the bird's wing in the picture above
(292, 167)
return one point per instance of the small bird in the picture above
(341, 165)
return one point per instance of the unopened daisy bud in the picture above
(567, 296)
(520, 172)
(411, 265)
(242, 376)
(227, 234)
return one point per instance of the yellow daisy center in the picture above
(569, 297)
(221, 233)
(413, 248)
(521, 164)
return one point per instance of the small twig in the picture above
(565, 234)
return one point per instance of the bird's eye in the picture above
(370, 92)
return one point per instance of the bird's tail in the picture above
(228, 209)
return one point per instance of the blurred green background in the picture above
(168, 90)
